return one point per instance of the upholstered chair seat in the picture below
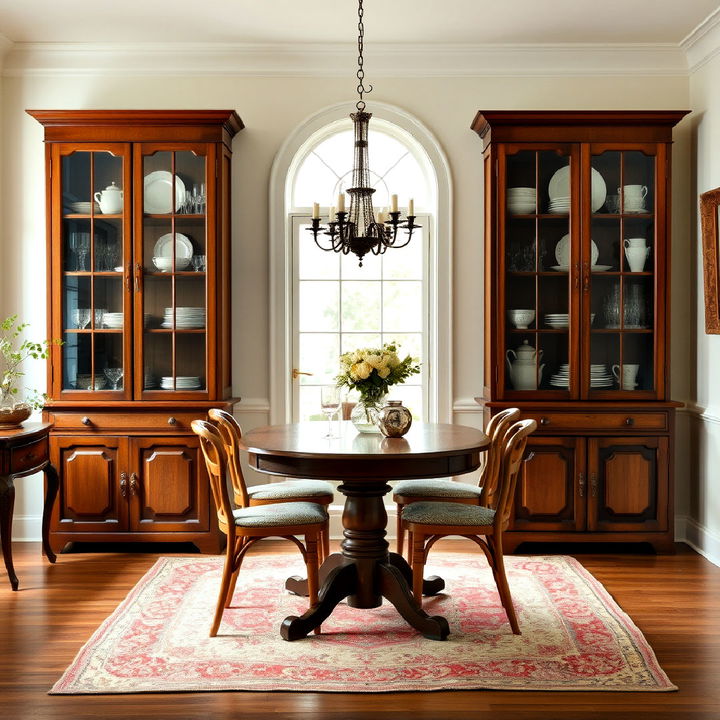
(292, 513)
(290, 489)
(445, 513)
(437, 488)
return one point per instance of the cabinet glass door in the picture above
(538, 227)
(622, 275)
(171, 262)
(93, 254)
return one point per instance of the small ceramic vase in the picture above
(394, 420)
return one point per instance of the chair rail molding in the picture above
(440, 259)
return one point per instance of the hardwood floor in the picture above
(675, 600)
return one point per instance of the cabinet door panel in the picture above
(169, 491)
(550, 490)
(90, 496)
(628, 484)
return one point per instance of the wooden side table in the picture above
(24, 452)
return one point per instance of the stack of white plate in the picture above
(557, 320)
(600, 376)
(85, 382)
(561, 379)
(83, 208)
(182, 382)
(560, 205)
(521, 200)
(113, 320)
(185, 317)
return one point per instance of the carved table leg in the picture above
(340, 583)
(51, 491)
(431, 586)
(395, 588)
(7, 503)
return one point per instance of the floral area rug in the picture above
(574, 636)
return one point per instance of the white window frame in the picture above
(282, 282)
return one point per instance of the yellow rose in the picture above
(383, 372)
(361, 371)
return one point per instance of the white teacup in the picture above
(629, 375)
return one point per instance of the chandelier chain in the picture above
(360, 104)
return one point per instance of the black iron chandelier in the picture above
(362, 230)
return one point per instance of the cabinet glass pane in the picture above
(537, 261)
(174, 258)
(622, 276)
(93, 313)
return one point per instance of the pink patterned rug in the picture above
(575, 637)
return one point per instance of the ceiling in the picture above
(334, 21)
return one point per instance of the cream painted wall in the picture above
(703, 510)
(271, 108)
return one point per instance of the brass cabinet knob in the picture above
(172, 421)
(86, 420)
(545, 421)
(629, 421)
(123, 484)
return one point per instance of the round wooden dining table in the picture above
(365, 571)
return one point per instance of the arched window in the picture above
(325, 301)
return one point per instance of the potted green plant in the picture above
(16, 406)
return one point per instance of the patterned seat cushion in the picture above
(290, 489)
(436, 488)
(444, 513)
(290, 513)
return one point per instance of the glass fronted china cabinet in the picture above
(577, 280)
(138, 208)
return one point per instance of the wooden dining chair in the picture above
(315, 491)
(427, 522)
(439, 490)
(245, 525)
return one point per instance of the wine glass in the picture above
(330, 404)
(198, 262)
(83, 248)
(113, 375)
(82, 317)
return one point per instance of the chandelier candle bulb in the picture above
(332, 214)
(316, 211)
(341, 202)
(411, 207)
(393, 203)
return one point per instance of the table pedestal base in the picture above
(365, 572)
(390, 580)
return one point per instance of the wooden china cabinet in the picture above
(138, 228)
(577, 318)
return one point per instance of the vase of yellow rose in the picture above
(371, 372)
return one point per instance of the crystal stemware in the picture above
(82, 317)
(113, 375)
(83, 248)
(330, 404)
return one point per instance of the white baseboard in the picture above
(698, 537)
(27, 528)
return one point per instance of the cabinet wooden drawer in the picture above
(105, 421)
(599, 422)
(29, 456)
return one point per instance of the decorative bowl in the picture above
(521, 318)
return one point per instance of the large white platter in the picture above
(164, 246)
(562, 252)
(158, 192)
(559, 187)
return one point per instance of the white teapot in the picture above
(110, 200)
(525, 374)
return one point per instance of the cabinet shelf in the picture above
(179, 331)
(87, 216)
(175, 216)
(177, 273)
(90, 331)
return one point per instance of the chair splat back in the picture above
(213, 450)
(489, 477)
(231, 434)
(514, 443)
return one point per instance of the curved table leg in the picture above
(395, 588)
(51, 491)
(7, 503)
(431, 586)
(298, 586)
(340, 583)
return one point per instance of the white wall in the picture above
(271, 107)
(703, 508)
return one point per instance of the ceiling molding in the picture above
(5, 45)
(703, 43)
(337, 60)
